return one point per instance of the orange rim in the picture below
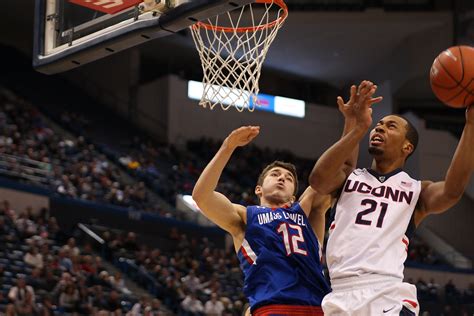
(280, 20)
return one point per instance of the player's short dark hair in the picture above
(285, 165)
(411, 134)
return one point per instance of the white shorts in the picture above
(373, 296)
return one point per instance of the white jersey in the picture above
(369, 231)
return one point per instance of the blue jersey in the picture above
(280, 258)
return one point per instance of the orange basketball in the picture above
(452, 76)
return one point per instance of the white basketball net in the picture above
(232, 48)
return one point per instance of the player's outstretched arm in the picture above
(333, 167)
(437, 197)
(213, 204)
(315, 206)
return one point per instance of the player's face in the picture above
(388, 137)
(278, 185)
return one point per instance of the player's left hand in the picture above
(361, 96)
(241, 136)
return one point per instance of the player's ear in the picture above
(408, 147)
(292, 199)
(258, 191)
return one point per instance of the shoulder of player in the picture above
(237, 228)
(242, 211)
(358, 172)
(425, 184)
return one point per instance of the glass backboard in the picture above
(70, 33)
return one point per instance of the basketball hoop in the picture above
(232, 48)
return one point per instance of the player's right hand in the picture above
(242, 136)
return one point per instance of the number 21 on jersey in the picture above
(372, 207)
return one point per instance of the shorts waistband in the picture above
(345, 284)
(286, 310)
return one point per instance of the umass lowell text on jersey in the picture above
(280, 258)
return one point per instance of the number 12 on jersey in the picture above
(291, 240)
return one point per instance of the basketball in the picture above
(452, 75)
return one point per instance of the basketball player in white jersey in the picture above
(378, 207)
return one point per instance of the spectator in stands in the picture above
(25, 226)
(53, 228)
(34, 258)
(4, 228)
(214, 306)
(452, 293)
(65, 281)
(84, 305)
(154, 309)
(46, 306)
(35, 280)
(88, 265)
(113, 304)
(8, 211)
(22, 298)
(7, 232)
(433, 290)
(139, 307)
(130, 243)
(229, 308)
(118, 283)
(238, 307)
(87, 250)
(46, 253)
(99, 265)
(422, 289)
(173, 292)
(64, 261)
(69, 299)
(191, 281)
(71, 248)
(191, 305)
(99, 301)
(50, 280)
(76, 269)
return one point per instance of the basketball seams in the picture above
(456, 95)
(469, 92)
(437, 85)
(462, 64)
(451, 76)
(463, 89)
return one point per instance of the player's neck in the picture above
(273, 204)
(384, 166)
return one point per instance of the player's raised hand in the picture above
(359, 105)
(242, 136)
(347, 108)
(365, 94)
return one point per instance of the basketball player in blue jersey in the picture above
(279, 241)
(277, 248)
(377, 208)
